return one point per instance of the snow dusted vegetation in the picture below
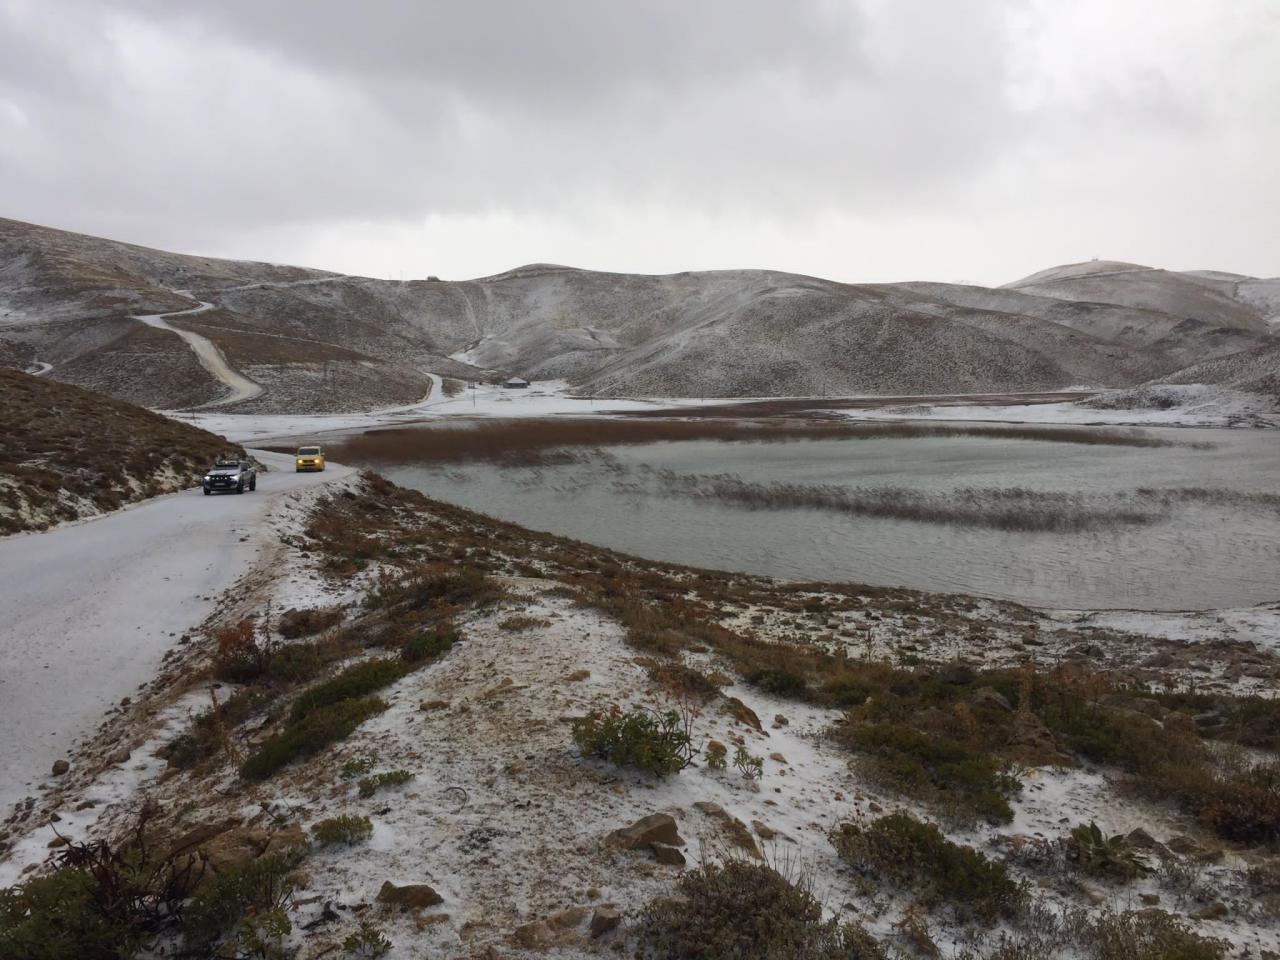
(778, 616)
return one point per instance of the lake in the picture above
(1205, 553)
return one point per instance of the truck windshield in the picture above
(308, 451)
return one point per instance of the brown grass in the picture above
(529, 442)
(67, 452)
(1000, 508)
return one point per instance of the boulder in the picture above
(604, 920)
(119, 757)
(655, 828)
(412, 895)
(669, 855)
(743, 714)
(60, 767)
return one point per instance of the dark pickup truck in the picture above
(230, 475)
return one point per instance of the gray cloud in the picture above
(259, 128)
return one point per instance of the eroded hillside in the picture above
(324, 342)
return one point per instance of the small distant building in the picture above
(515, 383)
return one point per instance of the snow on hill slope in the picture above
(323, 342)
(1205, 296)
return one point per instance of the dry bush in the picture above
(903, 851)
(304, 623)
(743, 908)
(526, 443)
(1015, 509)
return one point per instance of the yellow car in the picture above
(309, 458)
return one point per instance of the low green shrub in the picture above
(749, 766)
(261, 936)
(367, 943)
(1240, 805)
(345, 830)
(1112, 857)
(717, 755)
(658, 743)
(463, 586)
(782, 683)
(53, 918)
(315, 731)
(357, 767)
(904, 851)
(259, 886)
(1148, 935)
(103, 901)
(432, 643)
(743, 909)
(355, 681)
(391, 778)
(936, 769)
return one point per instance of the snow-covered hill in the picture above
(326, 342)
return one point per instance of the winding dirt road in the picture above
(210, 357)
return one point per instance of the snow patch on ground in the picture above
(1194, 405)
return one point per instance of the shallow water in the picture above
(1202, 556)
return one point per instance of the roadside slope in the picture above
(87, 611)
(69, 453)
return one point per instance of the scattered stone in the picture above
(669, 855)
(780, 721)
(555, 931)
(414, 895)
(743, 714)
(604, 920)
(119, 758)
(655, 828)
(60, 767)
(872, 806)
(777, 758)
(428, 705)
(57, 842)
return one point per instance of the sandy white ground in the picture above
(1199, 406)
(87, 610)
(210, 357)
(544, 399)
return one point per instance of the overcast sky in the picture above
(959, 140)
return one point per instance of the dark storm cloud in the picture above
(191, 124)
